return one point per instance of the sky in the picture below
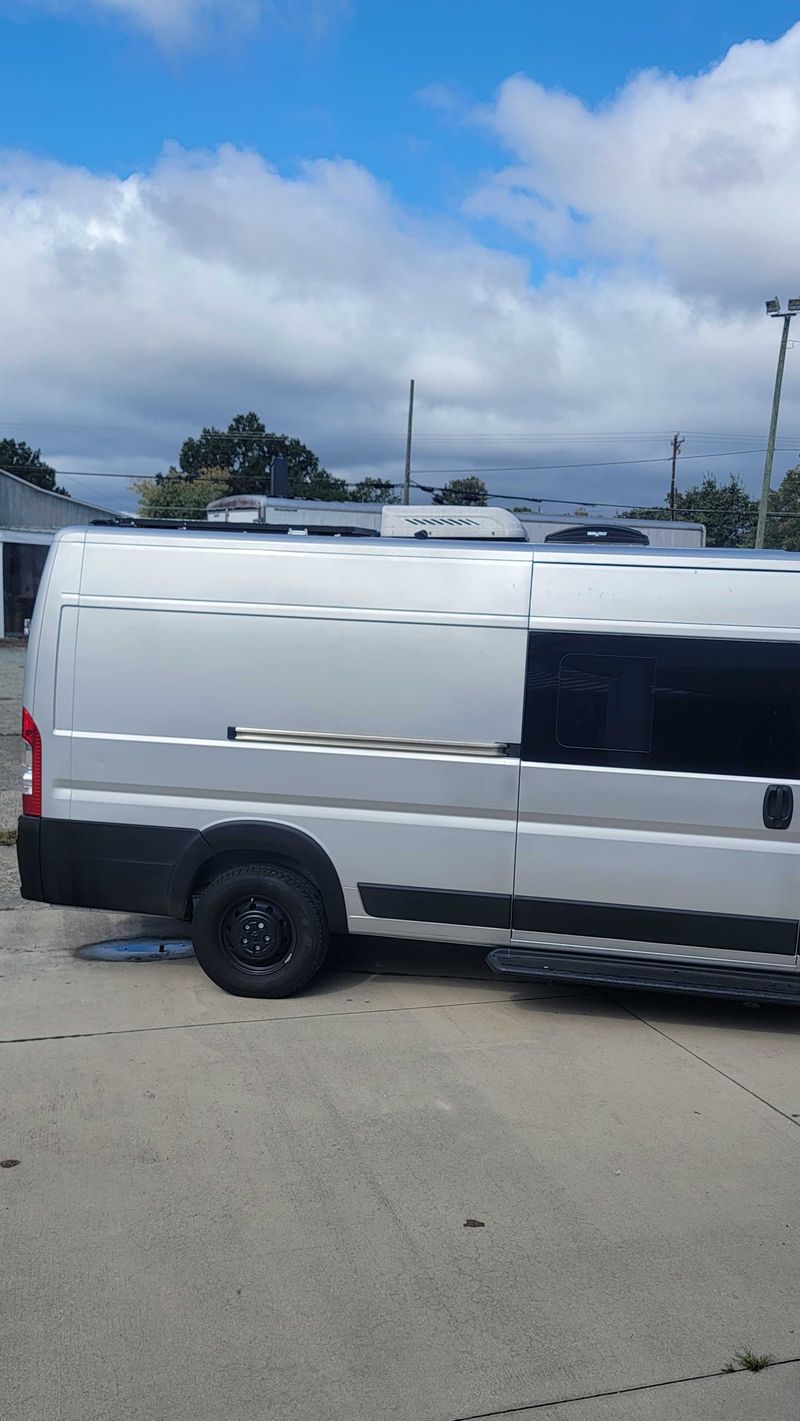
(562, 220)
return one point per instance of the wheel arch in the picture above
(224, 845)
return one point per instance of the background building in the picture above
(29, 519)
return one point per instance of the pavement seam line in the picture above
(710, 1064)
(618, 1391)
(276, 1020)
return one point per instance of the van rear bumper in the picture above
(29, 860)
(134, 868)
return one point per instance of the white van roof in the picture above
(201, 533)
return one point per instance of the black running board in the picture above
(744, 983)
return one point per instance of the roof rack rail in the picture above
(200, 525)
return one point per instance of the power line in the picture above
(597, 464)
(370, 433)
(599, 503)
(517, 496)
(643, 512)
(566, 435)
(474, 469)
(226, 475)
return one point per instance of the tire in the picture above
(260, 931)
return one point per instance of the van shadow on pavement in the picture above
(411, 958)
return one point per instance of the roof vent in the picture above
(600, 533)
(415, 521)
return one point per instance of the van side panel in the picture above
(180, 645)
(240, 569)
(678, 594)
(49, 670)
(195, 673)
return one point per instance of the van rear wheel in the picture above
(260, 931)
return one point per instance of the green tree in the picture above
(783, 520)
(726, 509)
(471, 491)
(17, 457)
(245, 451)
(173, 495)
(374, 491)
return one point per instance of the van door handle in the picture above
(778, 807)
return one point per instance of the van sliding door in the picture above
(660, 797)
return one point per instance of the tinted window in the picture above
(664, 703)
(605, 702)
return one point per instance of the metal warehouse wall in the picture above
(23, 505)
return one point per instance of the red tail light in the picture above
(32, 771)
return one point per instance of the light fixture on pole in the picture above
(774, 309)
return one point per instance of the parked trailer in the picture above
(585, 761)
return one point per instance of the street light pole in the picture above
(774, 310)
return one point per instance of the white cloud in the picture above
(176, 18)
(441, 98)
(698, 178)
(178, 21)
(135, 310)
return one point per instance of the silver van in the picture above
(584, 760)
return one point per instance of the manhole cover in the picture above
(142, 949)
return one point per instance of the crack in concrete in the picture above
(710, 1064)
(274, 1020)
(618, 1391)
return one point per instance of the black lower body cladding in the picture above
(127, 867)
(142, 868)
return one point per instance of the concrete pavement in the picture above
(256, 1210)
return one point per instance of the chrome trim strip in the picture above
(405, 616)
(252, 735)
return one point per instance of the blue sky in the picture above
(94, 89)
(409, 208)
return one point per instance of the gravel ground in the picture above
(12, 671)
(9, 882)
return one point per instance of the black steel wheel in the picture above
(260, 931)
(257, 934)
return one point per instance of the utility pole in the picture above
(774, 310)
(407, 478)
(677, 445)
